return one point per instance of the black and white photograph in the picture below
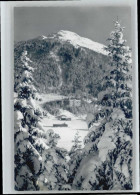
(73, 98)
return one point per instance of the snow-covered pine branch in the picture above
(110, 132)
(28, 146)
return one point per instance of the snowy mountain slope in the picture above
(77, 41)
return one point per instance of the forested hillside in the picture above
(62, 66)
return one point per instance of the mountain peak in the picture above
(67, 33)
(41, 37)
(76, 40)
(79, 41)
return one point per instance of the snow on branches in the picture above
(110, 131)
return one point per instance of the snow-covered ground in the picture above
(66, 133)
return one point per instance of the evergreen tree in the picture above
(110, 134)
(29, 135)
(120, 75)
(39, 163)
(75, 155)
(54, 174)
(118, 96)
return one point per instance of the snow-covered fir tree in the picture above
(39, 163)
(110, 135)
(119, 98)
(54, 174)
(30, 138)
(75, 155)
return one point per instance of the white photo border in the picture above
(7, 72)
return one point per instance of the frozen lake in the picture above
(67, 133)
